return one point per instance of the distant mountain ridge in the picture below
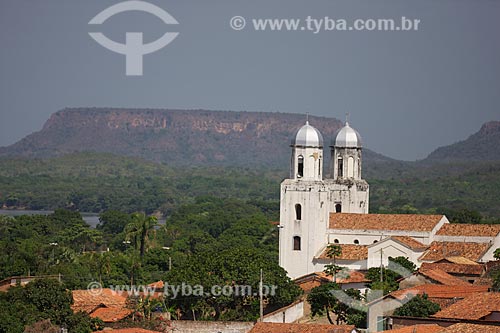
(483, 145)
(176, 137)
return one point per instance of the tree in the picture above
(401, 265)
(333, 251)
(139, 230)
(323, 301)
(418, 306)
(496, 254)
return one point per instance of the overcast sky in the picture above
(407, 92)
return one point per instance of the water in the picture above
(91, 219)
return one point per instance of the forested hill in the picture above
(481, 146)
(176, 137)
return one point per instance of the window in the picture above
(356, 241)
(340, 168)
(336, 241)
(300, 172)
(298, 212)
(319, 168)
(338, 208)
(296, 243)
(375, 241)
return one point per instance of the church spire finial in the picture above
(347, 118)
(307, 118)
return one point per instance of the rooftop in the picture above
(441, 276)
(458, 229)
(111, 315)
(410, 242)
(451, 268)
(349, 252)
(470, 328)
(299, 328)
(423, 328)
(472, 307)
(440, 250)
(396, 222)
(89, 300)
(128, 330)
(439, 291)
(345, 277)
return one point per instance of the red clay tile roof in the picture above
(424, 328)
(299, 328)
(413, 222)
(442, 277)
(111, 315)
(128, 330)
(410, 242)
(88, 300)
(439, 291)
(458, 260)
(471, 328)
(157, 285)
(440, 250)
(345, 277)
(458, 229)
(458, 269)
(349, 252)
(472, 307)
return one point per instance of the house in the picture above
(426, 275)
(422, 328)
(105, 303)
(479, 306)
(301, 328)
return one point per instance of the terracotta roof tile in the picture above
(157, 285)
(458, 229)
(345, 277)
(442, 277)
(410, 242)
(472, 307)
(413, 222)
(88, 300)
(458, 269)
(471, 328)
(458, 260)
(111, 315)
(128, 330)
(439, 250)
(424, 328)
(349, 252)
(439, 291)
(299, 328)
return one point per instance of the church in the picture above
(319, 209)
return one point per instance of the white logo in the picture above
(134, 49)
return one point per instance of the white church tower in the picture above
(307, 198)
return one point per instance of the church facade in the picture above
(317, 210)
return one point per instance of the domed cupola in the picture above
(307, 136)
(346, 154)
(347, 137)
(307, 154)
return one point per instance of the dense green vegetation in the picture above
(208, 242)
(91, 182)
(418, 306)
(43, 301)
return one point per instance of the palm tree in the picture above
(139, 229)
(333, 251)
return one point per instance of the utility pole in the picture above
(261, 298)
(381, 266)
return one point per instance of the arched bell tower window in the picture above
(340, 167)
(298, 212)
(300, 171)
(296, 243)
(338, 208)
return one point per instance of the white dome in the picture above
(347, 137)
(308, 136)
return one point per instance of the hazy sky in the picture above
(407, 92)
